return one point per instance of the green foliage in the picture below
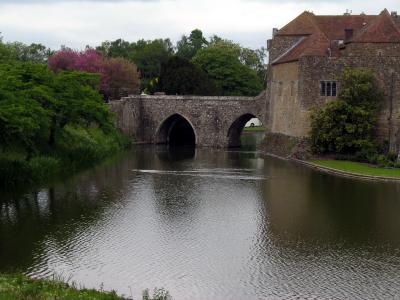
(345, 126)
(224, 68)
(187, 47)
(24, 288)
(181, 77)
(147, 55)
(254, 59)
(36, 53)
(49, 121)
(82, 146)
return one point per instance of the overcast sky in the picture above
(78, 23)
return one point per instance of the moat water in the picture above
(209, 224)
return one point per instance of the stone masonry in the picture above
(216, 121)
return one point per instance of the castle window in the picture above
(328, 88)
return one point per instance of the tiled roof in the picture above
(316, 44)
(320, 32)
(304, 24)
(334, 26)
(381, 30)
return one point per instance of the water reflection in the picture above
(209, 224)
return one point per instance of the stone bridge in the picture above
(197, 120)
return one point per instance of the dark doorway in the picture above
(176, 131)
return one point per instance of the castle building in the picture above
(307, 55)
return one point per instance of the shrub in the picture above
(345, 126)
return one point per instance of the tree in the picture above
(187, 47)
(345, 126)
(36, 53)
(180, 76)
(123, 78)
(147, 55)
(117, 75)
(224, 68)
(254, 59)
(36, 105)
(117, 48)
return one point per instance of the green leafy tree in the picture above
(180, 76)
(345, 126)
(224, 68)
(117, 48)
(188, 46)
(36, 53)
(254, 59)
(36, 104)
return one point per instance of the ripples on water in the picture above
(211, 225)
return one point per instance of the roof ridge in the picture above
(316, 25)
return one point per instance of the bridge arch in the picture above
(235, 130)
(176, 130)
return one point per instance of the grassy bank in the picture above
(357, 168)
(24, 288)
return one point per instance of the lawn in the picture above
(254, 129)
(357, 168)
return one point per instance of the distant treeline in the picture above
(195, 65)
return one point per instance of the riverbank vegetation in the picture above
(24, 288)
(51, 123)
(18, 286)
(344, 128)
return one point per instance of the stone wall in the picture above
(287, 114)
(294, 88)
(387, 70)
(280, 44)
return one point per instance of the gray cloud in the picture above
(77, 23)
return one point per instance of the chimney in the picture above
(394, 14)
(274, 32)
(348, 34)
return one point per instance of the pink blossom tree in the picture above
(118, 76)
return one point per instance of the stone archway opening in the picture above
(248, 121)
(176, 131)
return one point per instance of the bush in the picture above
(81, 146)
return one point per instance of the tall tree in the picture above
(254, 59)
(187, 47)
(224, 68)
(148, 55)
(180, 76)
